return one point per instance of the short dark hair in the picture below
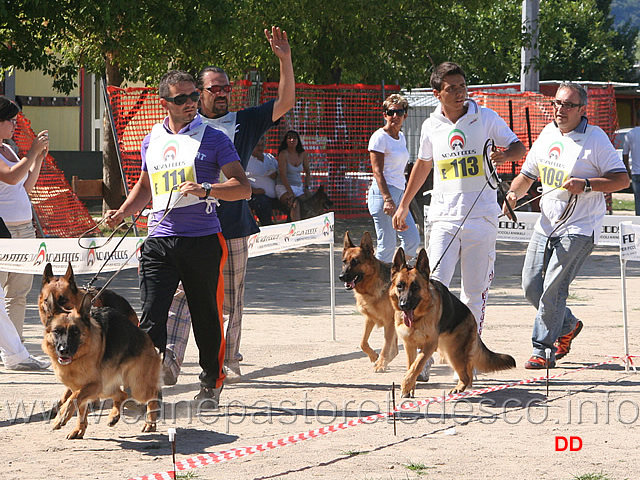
(283, 143)
(8, 108)
(170, 78)
(442, 70)
(210, 68)
(582, 92)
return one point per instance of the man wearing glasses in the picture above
(244, 128)
(184, 242)
(576, 163)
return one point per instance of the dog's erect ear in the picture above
(422, 263)
(85, 306)
(399, 261)
(366, 243)
(71, 278)
(347, 240)
(48, 309)
(320, 189)
(47, 275)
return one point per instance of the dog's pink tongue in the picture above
(350, 285)
(408, 318)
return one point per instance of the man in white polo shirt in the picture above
(576, 163)
(631, 148)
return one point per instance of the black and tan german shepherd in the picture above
(429, 317)
(96, 352)
(369, 279)
(314, 204)
(68, 295)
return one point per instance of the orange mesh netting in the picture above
(59, 211)
(527, 113)
(335, 123)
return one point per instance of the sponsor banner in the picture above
(629, 241)
(87, 256)
(522, 230)
(277, 238)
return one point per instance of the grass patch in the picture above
(624, 205)
(353, 453)
(592, 476)
(418, 468)
(578, 297)
(186, 476)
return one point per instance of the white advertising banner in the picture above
(522, 230)
(87, 254)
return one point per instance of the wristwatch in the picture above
(207, 190)
(587, 185)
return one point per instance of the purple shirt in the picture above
(216, 150)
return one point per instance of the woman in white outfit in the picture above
(389, 157)
(17, 178)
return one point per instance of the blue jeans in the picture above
(635, 182)
(385, 233)
(546, 287)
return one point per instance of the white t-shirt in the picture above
(395, 153)
(596, 158)
(15, 206)
(259, 173)
(454, 206)
(631, 147)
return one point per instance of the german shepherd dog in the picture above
(429, 316)
(315, 204)
(369, 279)
(68, 295)
(95, 352)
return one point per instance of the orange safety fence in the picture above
(335, 123)
(58, 210)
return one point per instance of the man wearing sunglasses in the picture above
(244, 128)
(464, 211)
(181, 163)
(576, 163)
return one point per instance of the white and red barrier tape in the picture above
(218, 457)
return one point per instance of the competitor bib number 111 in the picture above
(164, 181)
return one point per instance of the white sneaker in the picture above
(232, 372)
(426, 370)
(30, 364)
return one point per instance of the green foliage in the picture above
(333, 41)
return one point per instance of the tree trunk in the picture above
(111, 175)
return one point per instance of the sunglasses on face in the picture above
(568, 105)
(215, 89)
(182, 98)
(399, 111)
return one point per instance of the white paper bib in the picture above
(457, 154)
(555, 167)
(170, 161)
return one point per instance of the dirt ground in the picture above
(296, 379)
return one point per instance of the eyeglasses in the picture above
(568, 105)
(12, 120)
(216, 89)
(399, 111)
(182, 99)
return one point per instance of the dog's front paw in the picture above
(379, 367)
(76, 434)
(149, 427)
(113, 419)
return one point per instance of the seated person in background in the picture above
(292, 159)
(261, 172)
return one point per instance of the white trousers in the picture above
(475, 247)
(11, 348)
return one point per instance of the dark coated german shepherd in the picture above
(68, 295)
(369, 279)
(95, 352)
(429, 317)
(315, 204)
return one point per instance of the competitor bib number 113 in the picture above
(461, 167)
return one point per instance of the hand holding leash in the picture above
(492, 156)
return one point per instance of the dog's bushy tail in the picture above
(487, 361)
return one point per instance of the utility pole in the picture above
(529, 75)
